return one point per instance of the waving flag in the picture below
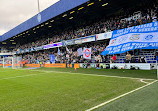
(67, 50)
(80, 52)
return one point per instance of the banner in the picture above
(78, 41)
(52, 45)
(52, 58)
(80, 52)
(103, 36)
(87, 53)
(68, 42)
(89, 39)
(138, 37)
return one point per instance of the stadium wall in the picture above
(53, 11)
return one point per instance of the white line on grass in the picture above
(141, 80)
(18, 76)
(89, 74)
(102, 104)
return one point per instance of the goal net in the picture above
(12, 62)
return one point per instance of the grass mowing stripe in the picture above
(102, 104)
(89, 74)
(60, 92)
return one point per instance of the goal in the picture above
(12, 61)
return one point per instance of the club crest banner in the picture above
(138, 37)
(87, 53)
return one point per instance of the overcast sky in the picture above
(15, 12)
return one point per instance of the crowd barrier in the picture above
(141, 66)
(58, 65)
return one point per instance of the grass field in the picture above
(57, 89)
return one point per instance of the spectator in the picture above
(128, 58)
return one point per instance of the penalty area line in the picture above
(116, 98)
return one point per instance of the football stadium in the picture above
(82, 55)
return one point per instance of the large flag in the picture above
(52, 58)
(59, 51)
(80, 52)
(67, 50)
(137, 37)
(87, 53)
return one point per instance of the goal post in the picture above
(12, 61)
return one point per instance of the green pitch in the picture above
(49, 89)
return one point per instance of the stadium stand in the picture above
(124, 18)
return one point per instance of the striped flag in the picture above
(67, 50)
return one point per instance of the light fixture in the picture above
(46, 23)
(64, 15)
(72, 12)
(4, 43)
(81, 8)
(71, 18)
(105, 4)
(13, 43)
(90, 4)
(52, 21)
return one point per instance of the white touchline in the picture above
(102, 104)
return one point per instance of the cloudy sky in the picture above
(14, 12)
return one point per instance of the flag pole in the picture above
(38, 6)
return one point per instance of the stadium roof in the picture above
(53, 11)
(79, 14)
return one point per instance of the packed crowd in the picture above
(114, 23)
(71, 55)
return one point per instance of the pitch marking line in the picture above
(102, 104)
(142, 80)
(89, 74)
(20, 76)
(17, 77)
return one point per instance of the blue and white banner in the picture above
(138, 37)
(54, 45)
(52, 58)
(68, 42)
